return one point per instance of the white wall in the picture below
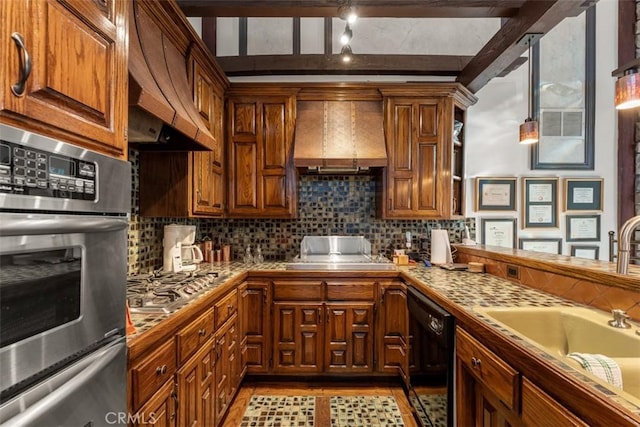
(492, 147)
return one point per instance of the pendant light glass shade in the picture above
(529, 132)
(346, 53)
(628, 90)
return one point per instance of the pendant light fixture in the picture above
(529, 129)
(628, 85)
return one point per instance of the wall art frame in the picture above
(583, 194)
(550, 245)
(500, 232)
(540, 202)
(496, 193)
(583, 228)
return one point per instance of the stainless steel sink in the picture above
(338, 253)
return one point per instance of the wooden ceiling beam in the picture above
(535, 16)
(365, 8)
(364, 64)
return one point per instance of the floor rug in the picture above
(279, 411)
(299, 411)
(369, 411)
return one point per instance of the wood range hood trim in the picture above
(339, 136)
(162, 115)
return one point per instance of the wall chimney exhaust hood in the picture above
(162, 115)
(339, 137)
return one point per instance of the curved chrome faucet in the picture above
(624, 243)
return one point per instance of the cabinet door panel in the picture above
(160, 410)
(403, 141)
(393, 329)
(275, 193)
(298, 337)
(349, 340)
(244, 119)
(254, 312)
(245, 162)
(274, 139)
(428, 122)
(427, 176)
(402, 194)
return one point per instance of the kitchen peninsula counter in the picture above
(459, 292)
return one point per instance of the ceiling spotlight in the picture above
(347, 13)
(345, 38)
(346, 53)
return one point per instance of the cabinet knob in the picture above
(230, 307)
(476, 363)
(202, 332)
(19, 87)
(161, 370)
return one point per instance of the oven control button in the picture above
(6, 189)
(31, 164)
(71, 188)
(31, 155)
(42, 166)
(4, 171)
(19, 162)
(62, 186)
(42, 175)
(31, 173)
(42, 158)
(18, 152)
(31, 182)
(19, 171)
(54, 185)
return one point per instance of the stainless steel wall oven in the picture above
(431, 370)
(64, 216)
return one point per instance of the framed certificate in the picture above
(583, 228)
(499, 232)
(540, 202)
(496, 194)
(583, 194)
(584, 251)
(548, 245)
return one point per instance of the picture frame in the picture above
(540, 202)
(585, 251)
(583, 194)
(496, 194)
(499, 232)
(583, 228)
(550, 245)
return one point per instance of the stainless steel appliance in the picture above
(63, 259)
(431, 372)
(338, 253)
(165, 293)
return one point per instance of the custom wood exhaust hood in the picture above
(162, 115)
(339, 136)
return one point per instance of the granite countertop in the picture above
(461, 290)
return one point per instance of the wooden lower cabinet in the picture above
(540, 409)
(254, 301)
(487, 388)
(195, 388)
(227, 366)
(393, 329)
(160, 410)
(348, 346)
(298, 332)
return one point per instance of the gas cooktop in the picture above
(167, 292)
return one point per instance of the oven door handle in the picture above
(89, 367)
(34, 224)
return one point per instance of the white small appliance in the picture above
(177, 237)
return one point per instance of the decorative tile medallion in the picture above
(279, 411)
(369, 411)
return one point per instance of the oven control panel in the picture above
(34, 172)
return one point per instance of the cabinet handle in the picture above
(199, 194)
(230, 307)
(202, 332)
(161, 370)
(18, 89)
(390, 204)
(319, 314)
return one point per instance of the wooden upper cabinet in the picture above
(76, 88)
(208, 166)
(419, 181)
(261, 174)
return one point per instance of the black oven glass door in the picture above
(40, 290)
(62, 291)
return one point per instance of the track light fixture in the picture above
(345, 38)
(346, 53)
(347, 13)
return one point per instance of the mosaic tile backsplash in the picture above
(327, 205)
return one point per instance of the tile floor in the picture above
(264, 404)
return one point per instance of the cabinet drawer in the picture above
(350, 290)
(225, 307)
(191, 337)
(298, 290)
(488, 368)
(538, 408)
(152, 372)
